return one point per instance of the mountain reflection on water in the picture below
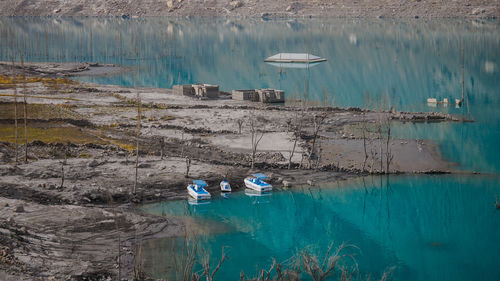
(430, 227)
(405, 61)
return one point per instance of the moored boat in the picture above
(197, 190)
(225, 186)
(256, 182)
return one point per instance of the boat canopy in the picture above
(200, 183)
(294, 57)
(260, 176)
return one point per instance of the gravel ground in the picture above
(256, 8)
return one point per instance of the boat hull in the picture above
(225, 187)
(257, 187)
(198, 196)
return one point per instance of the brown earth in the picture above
(255, 8)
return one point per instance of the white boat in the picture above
(294, 58)
(256, 182)
(225, 186)
(197, 190)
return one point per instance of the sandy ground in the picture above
(255, 8)
(63, 211)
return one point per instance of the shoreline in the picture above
(74, 197)
(255, 9)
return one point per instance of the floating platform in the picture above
(294, 58)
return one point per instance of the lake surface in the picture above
(404, 62)
(429, 227)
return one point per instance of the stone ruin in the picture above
(206, 91)
(259, 95)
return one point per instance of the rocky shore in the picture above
(254, 8)
(69, 211)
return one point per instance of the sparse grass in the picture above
(52, 83)
(49, 135)
(60, 134)
(36, 111)
(42, 97)
(84, 155)
(120, 143)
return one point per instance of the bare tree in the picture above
(318, 120)
(162, 147)
(364, 129)
(373, 154)
(206, 265)
(62, 174)
(188, 166)
(319, 271)
(297, 130)
(239, 122)
(25, 105)
(15, 109)
(257, 135)
(138, 132)
(184, 263)
(379, 131)
(182, 142)
(388, 152)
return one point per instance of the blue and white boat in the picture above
(256, 182)
(197, 190)
(225, 186)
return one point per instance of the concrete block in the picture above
(183, 90)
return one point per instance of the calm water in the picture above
(405, 61)
(430, 228)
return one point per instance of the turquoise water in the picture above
(430, 228)
(405, 61)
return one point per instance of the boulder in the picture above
(93, 164)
